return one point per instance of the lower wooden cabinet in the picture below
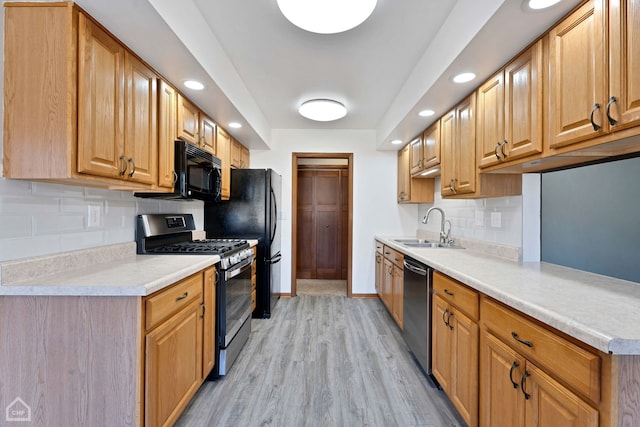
(397, 295)
(379, 273)
(455, 356)
(390, 279)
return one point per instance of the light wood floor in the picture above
(322, 361)
(320, 287)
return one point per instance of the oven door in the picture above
(235, 300)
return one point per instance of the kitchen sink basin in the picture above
(422, 243)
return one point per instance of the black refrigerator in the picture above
(252, 213)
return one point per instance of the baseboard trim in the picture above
(364, 295)
(286, 295)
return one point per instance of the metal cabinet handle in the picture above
(521, 341)
(495, 150)
(452, 185)
(504, 155)
(612, 121)
(444, 313)
(133, 170)
(522, 384)
(175, 177)
(596, 127)
(449, 320)
(123, 161)
(204, 309)
(448, 292)
(186, 294)
(513, 367)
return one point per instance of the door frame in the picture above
(294, 214)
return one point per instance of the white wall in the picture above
(375, 210)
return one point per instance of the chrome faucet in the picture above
(444, 236)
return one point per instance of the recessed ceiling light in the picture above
(541, 4)
(322, 110)
(426, 113)
(326, 16)
(464, 77)
(235, 125)
(396, 142)
(193, 84)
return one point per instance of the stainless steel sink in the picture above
(421, 243)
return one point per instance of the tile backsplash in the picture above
(497, 220)
(41, 218)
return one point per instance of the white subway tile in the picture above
(56, 190)
(15, 226)
(58, 225)
(27, 205)
(14, 187)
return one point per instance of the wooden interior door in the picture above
(322, 237)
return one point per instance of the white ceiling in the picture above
(258, 67)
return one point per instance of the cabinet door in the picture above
(441, 343)
(209, 321)
(466, 146)
(397, 297)
(223, 146)
(523, 104)
(244, 157)
(491, 121)
(387, 284)
(577, 76)
(141, 121)
(188, 121)
(447, 145)
(207, 134)
(551, 404)
(173, 365)
(624, 66)
(501, 368)
(464, 372)
(431, 145)
(167, 134)
(100, 101)
(404, 177)
(236, 154)
(379, 274)
(416, 153)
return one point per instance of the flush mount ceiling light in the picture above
(426, 113)
(326, 16)
(464, 77)
(193, 84)
(322, 110)
(541, 4)
(235, 125)
(396, 142)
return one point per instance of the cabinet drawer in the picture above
(459, 295)
(166, 302)
(577, 367)
(379, 247)
(394, 256)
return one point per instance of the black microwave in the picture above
(197, 175)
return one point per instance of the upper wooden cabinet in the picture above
(245, 157)
(224, 153)
(593, 89)
(94, 121)
(195, 127)
(239, 155)
(411, 190)
(509, 120)
(416, 153)
(458, 139)
(167, 133)
(425, 152)
(207, 133)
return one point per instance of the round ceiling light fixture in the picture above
(322, 110)
(193, 84)
(464, 77)
(541, 4)
(426, 113)
(326, 16)
(235, 125)
(396, 142)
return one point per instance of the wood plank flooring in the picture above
(322, 361)
(321, 287)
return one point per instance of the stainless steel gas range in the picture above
(172, 234)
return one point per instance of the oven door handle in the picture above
(238, 268)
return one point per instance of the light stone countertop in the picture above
(600, 311)
(114, 270)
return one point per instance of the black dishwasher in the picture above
(417, 311)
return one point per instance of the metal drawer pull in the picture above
(504, 144)
(495, 151)
(204, 309)
(448, 320)
(133, 170)
(612, 121)
(596, 127)
(517, 338)
(513, 366)
(448, 292)
(186, 294)
(123, 161)
(522, 384)
(444, 313)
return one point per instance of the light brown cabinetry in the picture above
(392, 282)
(592, 90)
(195, 127)
(254, 267)
(510, 110)
(167, 133)
(411, 190)
(207, 133)
(239, 155)
(533, 377)
(425, 152)
(224, 154)
(379, 271)
(455, 344)
(94, 121)
(245, 157)
(209, 320)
